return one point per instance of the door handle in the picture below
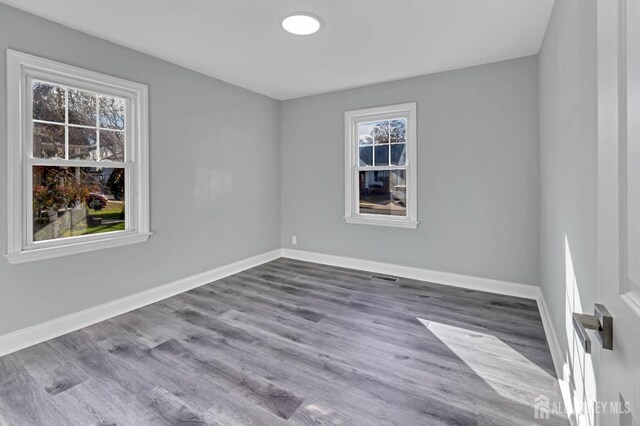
(601, 321)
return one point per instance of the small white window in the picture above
(380, 166)
(77, 160)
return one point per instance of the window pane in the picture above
(364, 134)
(112, 113)
(383, 192)
(398, 130)
(48, 102)
(366, 156)
(82, 108)
(381, 132)
(73, 201)
(111, 145)
(382, 155)
(48, 140)
(399, 154)
(82, 143)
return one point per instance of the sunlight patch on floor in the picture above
(499, 365)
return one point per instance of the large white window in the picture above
(77, 160)
(380, 166)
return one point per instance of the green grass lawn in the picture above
(119, 226)
(112, 212)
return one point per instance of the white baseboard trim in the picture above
(446, 278)
(552, 338)
(39, 333)
(33, 335)
(558, 358)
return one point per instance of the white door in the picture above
(618, 377)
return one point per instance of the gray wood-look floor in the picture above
(291, 342)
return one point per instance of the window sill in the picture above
(32, 255)
(402, 223)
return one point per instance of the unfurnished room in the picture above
(320, 212)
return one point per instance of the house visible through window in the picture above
(380, 169)
(78, 156)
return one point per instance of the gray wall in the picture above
(215, 179)
(568, 163)
(234, 174)
(478, 185)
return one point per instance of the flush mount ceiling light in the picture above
(301, 23)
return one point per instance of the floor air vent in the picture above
(383, 278)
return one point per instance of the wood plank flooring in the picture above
(292, 342)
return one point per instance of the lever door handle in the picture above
(601, 321)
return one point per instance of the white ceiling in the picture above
(361, 42)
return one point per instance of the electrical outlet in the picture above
(294, 240)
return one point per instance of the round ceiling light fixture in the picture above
(301, 23)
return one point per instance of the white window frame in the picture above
(352, 167)
(21, 70)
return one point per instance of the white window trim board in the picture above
(351, 118)
(20, 68)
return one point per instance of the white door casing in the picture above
(618, 377)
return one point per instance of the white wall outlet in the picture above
(294, 240)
